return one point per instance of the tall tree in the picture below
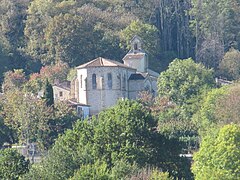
(48, 94)
(184, 80)
(215, 27)
(229, 66)
(124, 132)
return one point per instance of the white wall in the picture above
(102, 97)
(82, 90)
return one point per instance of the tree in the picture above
(73, 32)
(174, 121)
(125, 132)
(4, 133)
(48, 94)
(220, 107)
(216, 155)
(13, 79)
(95, 171)
(27, 116)
(184, 80)
(12, 164)
(229, 66)
(215, 29)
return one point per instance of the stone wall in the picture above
(103, 95)
(61, 94)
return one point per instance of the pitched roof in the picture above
(136, 37)
(102, 62)
(136, 76)
(134, 56)
(64, 85)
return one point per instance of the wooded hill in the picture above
(34, 33)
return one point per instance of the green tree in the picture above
(229, 66)
(183, 85)
(48, 94)
(95, 171)
(184, 80)
(215, 29)
(73, 32)
(12, 164)
(125, 132)
(27, 116)
(219, 154)
(220, 107)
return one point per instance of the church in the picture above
(100, 83)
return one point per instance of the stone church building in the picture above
(101, 82)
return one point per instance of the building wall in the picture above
(81, 84)
(140, 64)
(61, 94)
(103, 96)
(135, 87)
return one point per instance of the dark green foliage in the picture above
(12, 164)
(4, 132)
(48, 94)
(126, 132)
(184, 84)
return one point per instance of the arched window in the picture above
(124, 82)
(109, 82)
(119, 81)
(94, 81)
(135, 46)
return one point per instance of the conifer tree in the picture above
(48, 94)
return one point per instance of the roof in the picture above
(136, 37)
(130, 56)
(102, 62)
(223, 81)
(64, 85)
(152, 73)
(73, 102)
(136, 76)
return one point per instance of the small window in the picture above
(135, 46)
(94, 81)
(81, 82)
(109, 75)
(60, 94)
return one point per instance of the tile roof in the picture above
(64, 85)
(102, 62)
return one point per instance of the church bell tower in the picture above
(136, 57)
